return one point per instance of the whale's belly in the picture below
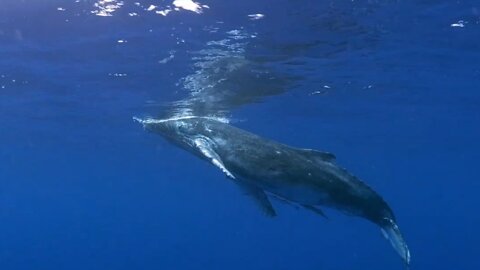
(281, 177)
(296, 192)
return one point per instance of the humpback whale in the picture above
(264, 168)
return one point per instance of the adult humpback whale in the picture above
(263, 167)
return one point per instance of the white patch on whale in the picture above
(204, 145)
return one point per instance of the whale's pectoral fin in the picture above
(318, 155)
(204, 147)
(259, 196)
(287, 202)
(314, 209)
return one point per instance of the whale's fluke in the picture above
(392, 233)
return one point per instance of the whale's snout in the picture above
(139, 120)
(153, 125)
(170, 129)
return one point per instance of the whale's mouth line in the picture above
(151, 120)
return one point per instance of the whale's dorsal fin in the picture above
(259, 196)
(205, 148)
(318, 155)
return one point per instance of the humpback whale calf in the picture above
(264, 168)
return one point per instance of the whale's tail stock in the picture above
(392, 233)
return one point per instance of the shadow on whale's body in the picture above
(262, 167)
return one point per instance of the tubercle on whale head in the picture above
(181, 125)
(184, 132)
(149, 124)
(172, 127)
(181, 131)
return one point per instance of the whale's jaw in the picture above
(164, 127)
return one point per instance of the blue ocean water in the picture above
(391, 87)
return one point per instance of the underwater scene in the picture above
(267, 134)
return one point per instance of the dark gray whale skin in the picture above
(260, 166)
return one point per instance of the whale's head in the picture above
(183, 131)
(178, 130)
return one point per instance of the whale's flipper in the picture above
(203, 145)
(392, 233)
(314, 209)
(259, 196)
(318, 155)
(285, 201)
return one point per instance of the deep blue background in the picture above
(84, 187)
